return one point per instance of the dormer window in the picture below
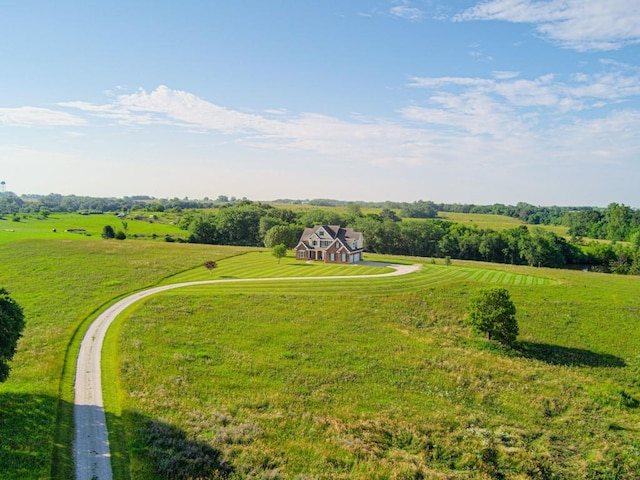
(321, 233)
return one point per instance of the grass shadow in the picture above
(162, 450)
(27, 431)
(567, 356)
(227, 276)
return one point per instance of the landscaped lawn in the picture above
(361, 378)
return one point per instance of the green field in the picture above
(74, 226)
(359, 378)
(496, 222)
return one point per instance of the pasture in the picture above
(74, 226)
(496, 222)
(381, 378)
(359, 378)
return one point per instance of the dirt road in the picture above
(91, 444)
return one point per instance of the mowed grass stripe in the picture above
(233, 273)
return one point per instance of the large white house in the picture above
(331, 244)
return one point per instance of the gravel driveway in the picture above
(91, 444)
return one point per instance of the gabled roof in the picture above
(346, 236)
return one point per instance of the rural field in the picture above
(369, 378)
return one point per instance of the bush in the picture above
(108, 232)
(491, 311)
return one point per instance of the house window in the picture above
(324, 243)
(343, 257)
(302, 254)
(315, 243)
(332, 257)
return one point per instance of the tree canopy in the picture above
(279, 251)
(491, 311)
(11, 326)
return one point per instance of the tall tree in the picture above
(11, 326)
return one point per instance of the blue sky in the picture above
(495, 101)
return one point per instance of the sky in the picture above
(455, 101)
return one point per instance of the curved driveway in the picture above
(91, 444)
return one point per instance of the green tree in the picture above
(202, 230)
(11, 326)
(108, 232)
(279, 251)
(288, 235)
(491, 311)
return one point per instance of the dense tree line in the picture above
(257, 224)
(617, 222)
(12, 204)
(230, 221)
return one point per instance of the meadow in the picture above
(497, 222)
(381, 378)
(360, 378)
(75, 226)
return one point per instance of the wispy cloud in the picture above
(408, 13)
(576, 24)
(504, 75)
(357, 140)
(406, 10)
(462, 123)
(549, 93)
(34, 116)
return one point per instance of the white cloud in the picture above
(34, 116)
(578, 92)
(362, 140)
(408, 13)
(577, 24)
(494, 128)
(472, 113)
(504, 75)
(445, 81)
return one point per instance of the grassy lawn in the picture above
(381, 378)
(261, 264)
(62, 284)
(361, 378)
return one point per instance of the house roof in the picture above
(346, 236)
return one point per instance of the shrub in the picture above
(491, 311)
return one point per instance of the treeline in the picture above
(522, 245)
(256, 224)
(11, 203)
(230, 221)
(617, 222)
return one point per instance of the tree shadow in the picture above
(27, 435)
(567, 356)
(34, 446)
(167, 452)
